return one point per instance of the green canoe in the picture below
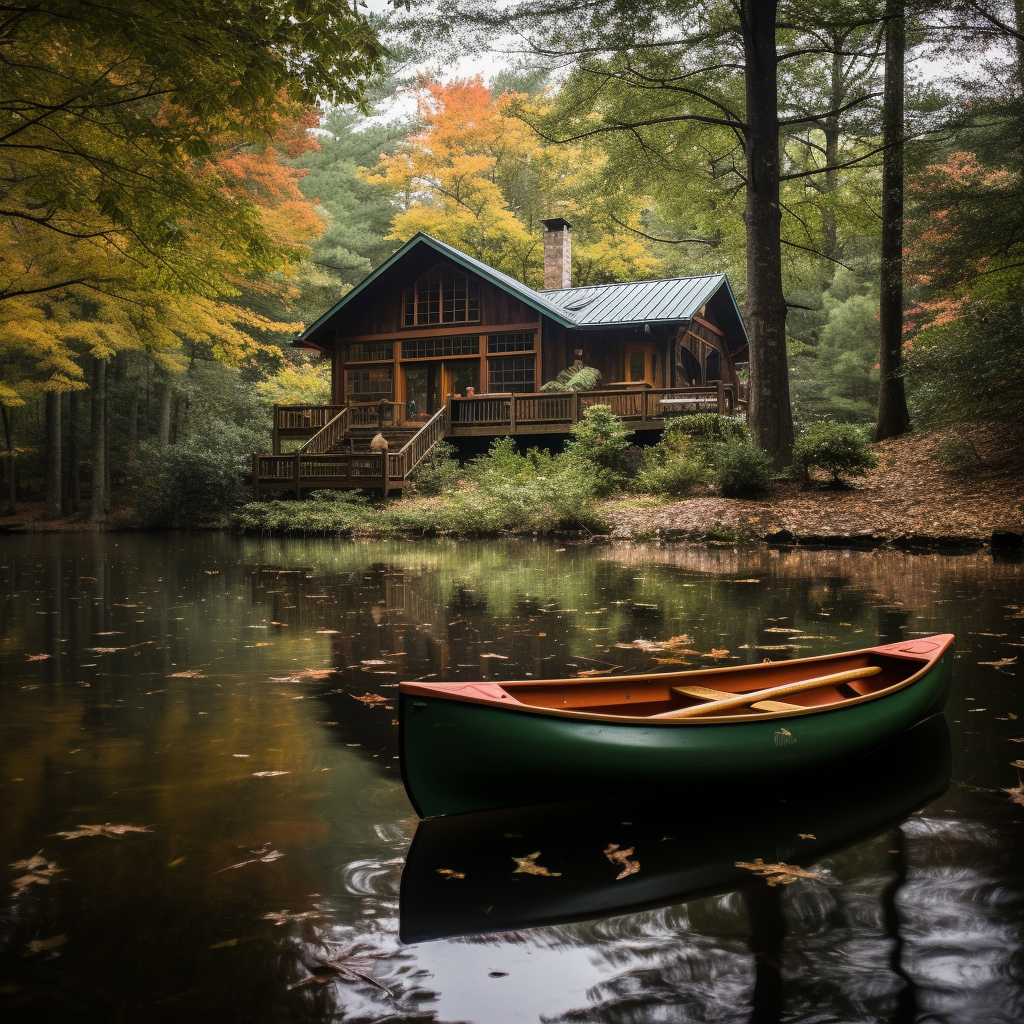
(477, 746)
(463, 873)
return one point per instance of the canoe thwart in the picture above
(708, 694)
(742, 699)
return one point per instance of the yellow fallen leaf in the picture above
(528, 866)
(776, 874)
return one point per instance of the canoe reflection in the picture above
(521, 868)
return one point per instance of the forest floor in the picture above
(911, 498)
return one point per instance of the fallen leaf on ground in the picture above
(450, 874)
(267, 775)
(621, 857)
(280, 917)
(38, 657)
(107, 830)
(776, 874)
(42, 945)
(528, 866)
(370, 698)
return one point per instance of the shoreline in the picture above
(911, 500)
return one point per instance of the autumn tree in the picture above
(477, 176)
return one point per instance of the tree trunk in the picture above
(52, 459)
(97, 511)
(12, 487)
(133, 425)
(893, 416)
(106, 452)
(770, 415)
(74, 474)
(164, 427)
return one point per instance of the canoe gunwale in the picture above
(926, 663)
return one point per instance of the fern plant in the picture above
(575, 378)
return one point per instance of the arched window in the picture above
(444, 296)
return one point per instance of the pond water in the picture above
(233, 700)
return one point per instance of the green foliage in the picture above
(741, 468)
(706, 427)
(440, 472)
(958, 374)
(574, 378)
(834, 352)
(675, 473)
(600, 443)
(297, 383)
(839, 449)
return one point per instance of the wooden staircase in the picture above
(339, 455)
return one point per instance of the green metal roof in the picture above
(588, 308)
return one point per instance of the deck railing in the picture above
(416, 449)
(328, 437)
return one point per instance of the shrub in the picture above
(675, 473)
(439, 472)
(600, 441)
(836, 448)
(707, 427)
(742, 468)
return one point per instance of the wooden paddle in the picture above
(773, 691)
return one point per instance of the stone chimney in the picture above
(557, 253)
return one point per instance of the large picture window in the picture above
(511, 374)
(370, 384)
(444, 296)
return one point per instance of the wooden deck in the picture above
(337, 454)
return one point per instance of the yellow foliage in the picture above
(478, 177)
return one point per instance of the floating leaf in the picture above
(191, 673)
(1001, 665)
(370, 699)
(267, 775)
(262, 855)
(1017, 764)
(621, 857)
(44, 945)
(39, 872)
(340, 964)
(1016, 794)
(806, 835)
(528, 866)
(107, 830)
(776, 874)
(280, 917)
(450, 874)
(38, 657)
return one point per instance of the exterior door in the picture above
(460, 374)
(640, 364)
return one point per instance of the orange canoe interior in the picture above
(648, 696)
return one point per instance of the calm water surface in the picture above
(235, 700)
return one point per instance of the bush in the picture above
(837, 448)
(600, 442)
(707, 427)
(675, 473)
(742, 468)
(194, 482)
(440, 472)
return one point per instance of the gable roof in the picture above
(535, 299)
(588, 307)
(636, 302)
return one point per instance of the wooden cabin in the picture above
(436, 337)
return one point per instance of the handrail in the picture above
(327, 436)
(416, 449)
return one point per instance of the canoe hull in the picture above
(458, 757)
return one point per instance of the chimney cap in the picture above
(555, 224)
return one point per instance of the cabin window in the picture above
(366, 352)
(424, 348)
(444, 296)
(520, 342)
(370, 384)
(511, 374)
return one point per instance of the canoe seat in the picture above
(708, 694)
